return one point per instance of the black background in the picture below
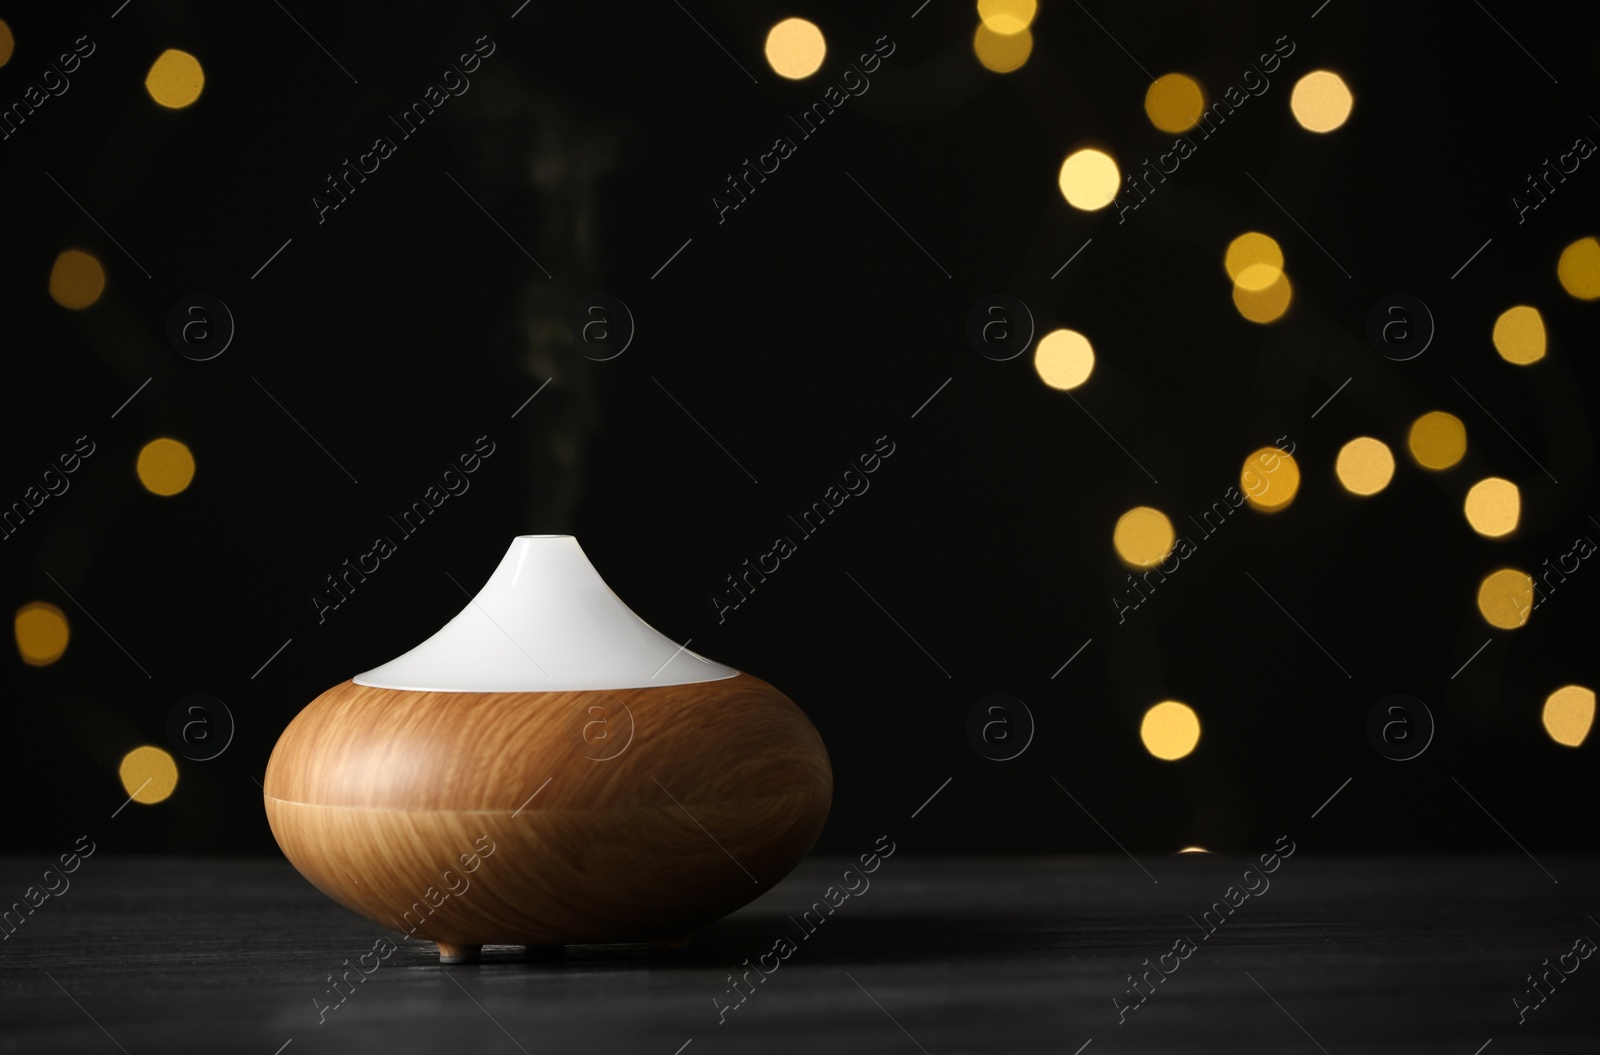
(799, 331)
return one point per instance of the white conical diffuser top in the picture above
(544, 622)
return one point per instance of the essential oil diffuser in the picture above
(545, 770)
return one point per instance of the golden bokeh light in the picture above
(1064, 359)
(175, 79)
(1437, 440)
(1262, 293)
(1194, 850)
(1007, 17)
(795, 48)
(1569, 714)
(1364, 466)
(42, 633)
(1089, 179)
(1174, 102)
(1579, 269)
(1269, 479)
(1253, 250)
(1170, 730)
(76, 279)
(8, 43)
(1321, 101)
(148, 774)
(1519, 335)
(1143, 536)
(1002, 52)
(165, 466)
(1493, 507)
(1505, 598)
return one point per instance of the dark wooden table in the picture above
(1403, 954)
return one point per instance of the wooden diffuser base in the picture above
(548, 818)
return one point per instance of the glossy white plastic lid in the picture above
(545, 621)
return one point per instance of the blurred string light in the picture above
(1253, 249)
(1089, 179)
(795, 48)
(1505, 598)
(1493, 507)
(1174, 102)
(76, 279)
(1519, 335)
(175, 79)
(1579, 269)
(1364, 466)
(1269, 301)
(1321, 101)
(165, 466)
(1143, 537)
(1064, 359)
(1261, 290)
(1282, 478)
(1007, 17)
(1569, 714)
(1437, 440)
(42, 633)
(8, 43)
(1002, 52)
(1170, 730)
(148, 774)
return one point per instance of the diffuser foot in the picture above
(450, 952)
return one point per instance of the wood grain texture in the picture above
(535, 818)
(1385, 955)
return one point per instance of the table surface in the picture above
(1413, 954)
